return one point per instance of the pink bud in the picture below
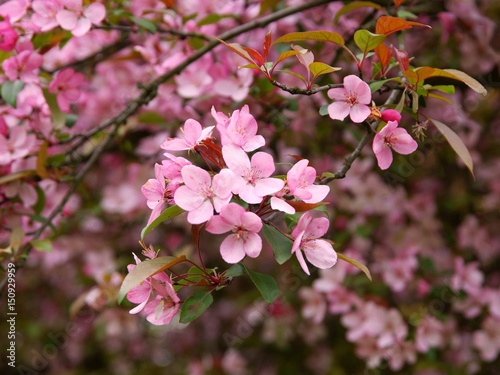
(8, 36)
(391, 115)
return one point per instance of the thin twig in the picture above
(135, 28)
(308, 92)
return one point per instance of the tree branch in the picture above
(308, 92)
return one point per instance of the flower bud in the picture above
(391, 115)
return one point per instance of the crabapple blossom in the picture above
(306, 236)
(392, 137)
(244, 225)
(8, 36)
(78, 19)
(352, 100)
(240, 129)
(193, 135)
(14, 9)
(67, 86)
(45, 12)
(157, 192)
(23, 66)
(16, 146)
(487, 340)
(201, 193)
(252, 182)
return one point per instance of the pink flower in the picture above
(487, 340)
(201, 194)
(392, 137)
(22, 66)
(14, 9)
(353, 98)
(300, 179)
(157, 193)
(18, 145)
(8, 36)
(172, 167)
(67, 85)
(252, 182)
(45, 12)
(318, 252)
(163, 308)
(240, 129)
(244, 225)
(193, 134)
(78, 19)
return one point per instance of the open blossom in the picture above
(8, 36)
(306, 236)
(157, 193)
(156, 296)
(193, 134)
(79, 19)
(252, 182)
(300, 181)
(392, 137)
(16, 146)
(240, 129)
(45, 12)
(487, 340)
(67, 85)
(352, 100)
(201, 194)
(244, 225)
(23, 66)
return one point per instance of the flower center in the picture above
(390, 140)
(351, 99)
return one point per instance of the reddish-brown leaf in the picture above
(384, 56)
(255, 55)
(210, 151)
(398, 2)
(403, 58)
(303, 206)
(388, 25)
(268, 40)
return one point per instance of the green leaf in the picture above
(320, 35)
(356, 264)
(144, 23)
(194, 306)
(42, 245)
(318, 68)
(213, 18)
(323, 111)
(282, 246)
(448, 89)
(146, 269)
(234, 271)
(374, 86)
(10, 89)
(366, 41)
(353, 6)
(58, 118)
(169, 213)
(267, 286)
(456, 144)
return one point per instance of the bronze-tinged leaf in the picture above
(210, 151)
(239, 50)
(268, 40)
(384, 56)
(397, 3)
(320, 36)
(388, 25)
(403, 59)
(256, 56)
(353, 6)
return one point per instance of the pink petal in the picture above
(95, 12)
(175, 144)
(281, 205)
(201, 214)
(195, 178)
(351, 83)
(263, 164)
(302, 262)
(322, 254)
(302, 225)
(82, 27)
(268, 186)
(254, 143)
(384, 158)
(236, 159)
(338, 110)
(364, 93)
(231, 249)
(319, 192)
(250, 221)
(67, 19)
(187, 199)
(252, 245)
(232, 214)
(248, 194)
(317, 227)
(223, 183)
(359, 113)
(388, 128)
(217, 225)
(337, 94)
(192, 132)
